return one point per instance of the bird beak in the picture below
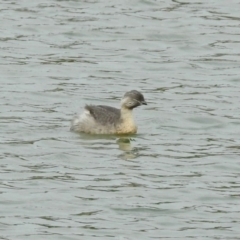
(144, 103)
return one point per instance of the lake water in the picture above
(178, 177)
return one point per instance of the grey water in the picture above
(178, 177)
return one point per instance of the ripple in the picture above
(176, 178)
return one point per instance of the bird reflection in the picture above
(124, 144)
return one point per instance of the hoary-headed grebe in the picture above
(109, 120)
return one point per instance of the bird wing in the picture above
(104, 114)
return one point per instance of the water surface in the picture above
(178, 178)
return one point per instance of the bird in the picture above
(101, 119)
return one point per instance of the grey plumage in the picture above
(104, 114)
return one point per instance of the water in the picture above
(178, 178)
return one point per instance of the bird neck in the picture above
(126, 124)
(126, 114)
